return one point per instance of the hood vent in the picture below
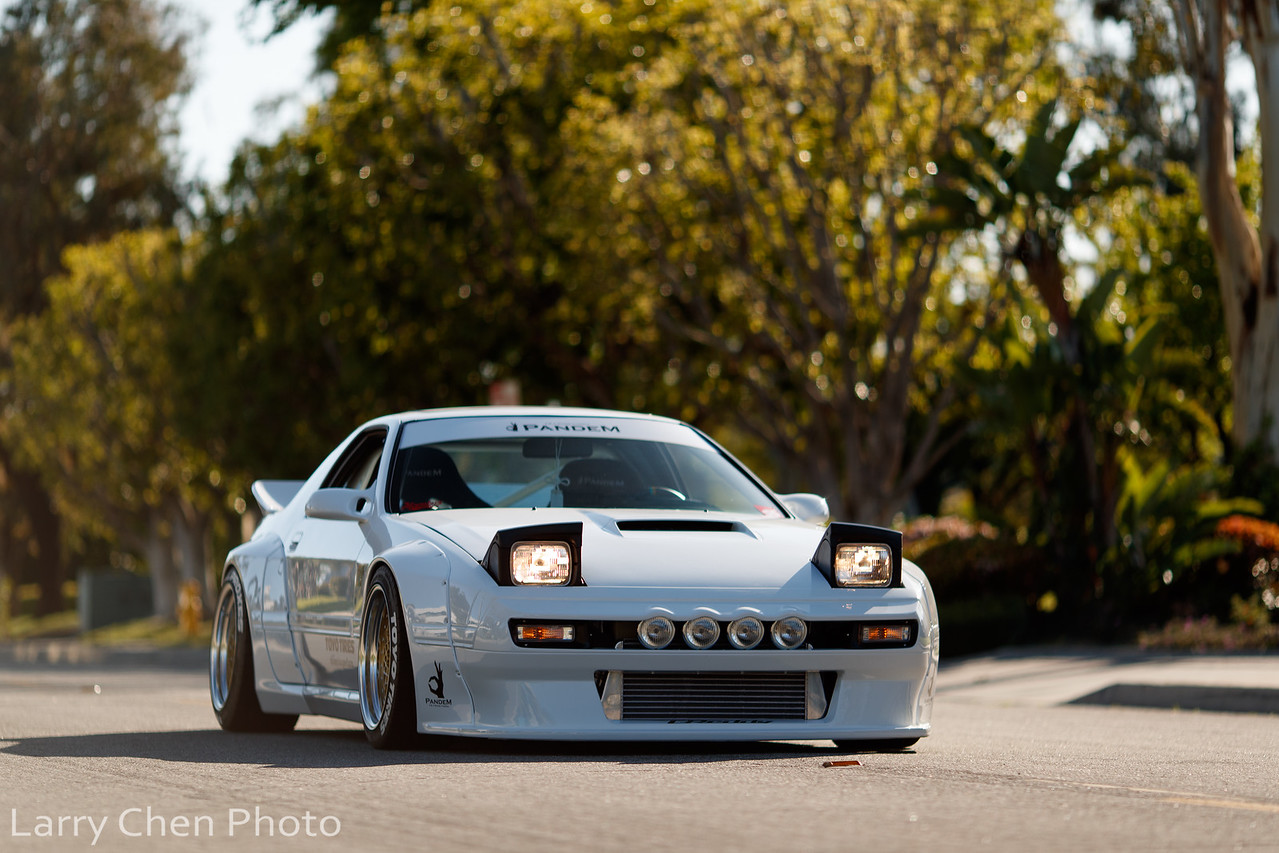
(680, 525)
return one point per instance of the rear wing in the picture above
(274, 495)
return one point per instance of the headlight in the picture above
(745, 633)
(656, 632)
(541, 563)
(701, 633)
(789, 633)
(863, 565)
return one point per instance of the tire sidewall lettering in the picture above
(238, 595)
(393, 628)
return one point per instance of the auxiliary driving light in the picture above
(541, 563)
(863, 565)
(745, 633)
(789, 633)
(701, 633)
(656, 632)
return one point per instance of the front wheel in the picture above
(235, 703)
(387, 703)
(884, 745)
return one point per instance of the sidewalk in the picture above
(72, 653)
(1041, 676)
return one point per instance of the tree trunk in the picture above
(1255, 347)
(189, 536)
(164, 579)
(43, 535)
(1248, 292)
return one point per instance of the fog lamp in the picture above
(863, 565)
(745, 633)
(789, 633)
(701, 633)
(656, 632)
(541, 563)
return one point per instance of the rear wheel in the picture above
(387, 703)
(235, 701)
(884, 745)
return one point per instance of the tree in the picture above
(91, 380)
(738, 248)
(86, 126)
(761, 220)
(352, 19)
(90, 93)
(1245, 241)
(400, 250)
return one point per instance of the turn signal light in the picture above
(544, 633)
(886, 633)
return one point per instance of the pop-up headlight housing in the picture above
(858, 556)
(544, 555)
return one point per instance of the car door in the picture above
(326, 563)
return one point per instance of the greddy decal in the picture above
(518, 427)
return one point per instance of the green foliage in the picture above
(1103, 422)
(759, 217)
(400, 251)
(1249, 629)
(988, 585)
(352, 19)
(90, 380)
(736, 240)
(90, 93)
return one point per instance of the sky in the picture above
(243, 86)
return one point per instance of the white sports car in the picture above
(567, 574)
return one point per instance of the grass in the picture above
(23, 599)
(158, 633)
(64, 624)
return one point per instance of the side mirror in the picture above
(810, 508)
(340, 504)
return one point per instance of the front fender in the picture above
(930, 636)
(422, 572)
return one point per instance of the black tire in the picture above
(235, 702)
(885, 745)
(388, 704)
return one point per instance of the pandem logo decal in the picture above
(436, 685)
(513, 426)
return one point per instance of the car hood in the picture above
(640, 548)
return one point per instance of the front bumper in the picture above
(494, 688)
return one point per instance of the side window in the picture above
(357, 469)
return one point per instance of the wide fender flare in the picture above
(422, 571)
(913, 576)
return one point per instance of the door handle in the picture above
(295, 541)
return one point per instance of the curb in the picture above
(75, 654)
(1186, 697)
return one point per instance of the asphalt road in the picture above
(136, 756)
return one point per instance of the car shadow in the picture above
(318, 749)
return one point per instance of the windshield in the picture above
(656, 469)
